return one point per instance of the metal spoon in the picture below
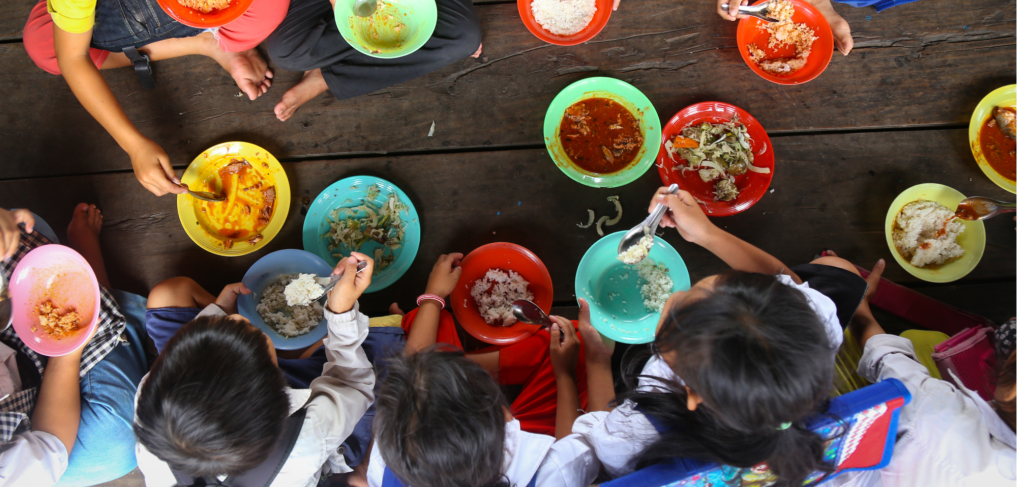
(330, 282)
(365, 8)
(760, 11)
(528, 312)
(202, 195)
(982, 208)
(647, 227)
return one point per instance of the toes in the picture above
(81, 208)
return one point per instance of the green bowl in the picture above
(612, 289)
(621, 92)
(396, 29)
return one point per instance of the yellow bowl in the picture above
(189, 208)
(972, 239)
(1004, 97)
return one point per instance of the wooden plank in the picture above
(13, 15)
(829, 192)
(926, 63)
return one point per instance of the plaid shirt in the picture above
(16, 408)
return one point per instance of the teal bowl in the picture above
(612, 289)
(354, 191)
(398, 28)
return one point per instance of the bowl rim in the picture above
(281, 213)
(933, 275)
(602, 86)
(665, 165)
(526, 330)
(177, 12)
(982, 111)
(343, 15)
(823, 30)
(311, 241)
(589, 32)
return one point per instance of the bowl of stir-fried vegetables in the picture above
(719, 153)
(368, 215)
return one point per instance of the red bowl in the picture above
(751, 31)
(596, 24)
(215, 18)
(508, 257)
(752, 185)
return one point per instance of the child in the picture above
(947, 435)
(308, 40)
(442, 419)
(841, 30)
(79, 37)
(216, 402)
(742, 359)
(79, 429)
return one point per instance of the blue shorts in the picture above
(880, 5)
(381, 342)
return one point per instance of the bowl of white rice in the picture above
(626, 300)
(493, 276)
(291, 327)
(927, 240)
(565, 22)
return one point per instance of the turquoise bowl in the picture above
(352, 191)
(612, 289)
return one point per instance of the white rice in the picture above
(563, 17)
(637, 252)
(658, 284)
(925, 232)
(494, 294)
(288, 321)
(302, 290)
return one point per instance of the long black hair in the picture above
(759, 357)
(214, 402)
(440, 421)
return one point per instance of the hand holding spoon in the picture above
(647, 228)
(528, 312)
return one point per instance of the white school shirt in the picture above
(335, 403)
(614, 439)
(947, 436)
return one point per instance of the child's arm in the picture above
(685, 214)
(444, 277)
(10, 234)
(599, 349)
(864, 325)
(58, 410)
(345, 389)
(151, 164)
(564, 354)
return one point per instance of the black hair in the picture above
(440, 421)
(214, 402)
(759, 357)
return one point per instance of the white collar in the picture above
(524, 452)
(997, 428)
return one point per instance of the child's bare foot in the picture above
(83, 236)
(312, 85)
(396, 310)
(479, 50)
(841, 30)
(247, 68)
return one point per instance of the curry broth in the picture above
(600, 135)
(250, 200)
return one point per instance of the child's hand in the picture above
(732, 12)
(153, 169)
(598, 347)
(10, 234)
(444, 275)
(351, 283)
(873, 280)
(684, 213)
(227, 299)
(564, 347)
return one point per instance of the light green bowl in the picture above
(621, 92)
(396, 29)
(612, 289)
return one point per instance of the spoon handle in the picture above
(658, 211)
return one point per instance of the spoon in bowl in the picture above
(528, 312)
(330, 282)
(760, 11)
(982, 208)
(365, 8)
(202, 195)
(647, 228)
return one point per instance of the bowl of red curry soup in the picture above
(602, 132)
(990, 140)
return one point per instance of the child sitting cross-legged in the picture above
(442, 419)
(217, 405)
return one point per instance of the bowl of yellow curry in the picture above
(257, 194)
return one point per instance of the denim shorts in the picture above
(134, 23)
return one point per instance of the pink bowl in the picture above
(61, 275)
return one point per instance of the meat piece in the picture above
(1005, 119)
(265, 216)
(627, 143)
(235, 166)
(269, 195)
(607, 154)
(255, 239)
(725, 190)
(227, 243)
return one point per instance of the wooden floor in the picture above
(892, 114)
